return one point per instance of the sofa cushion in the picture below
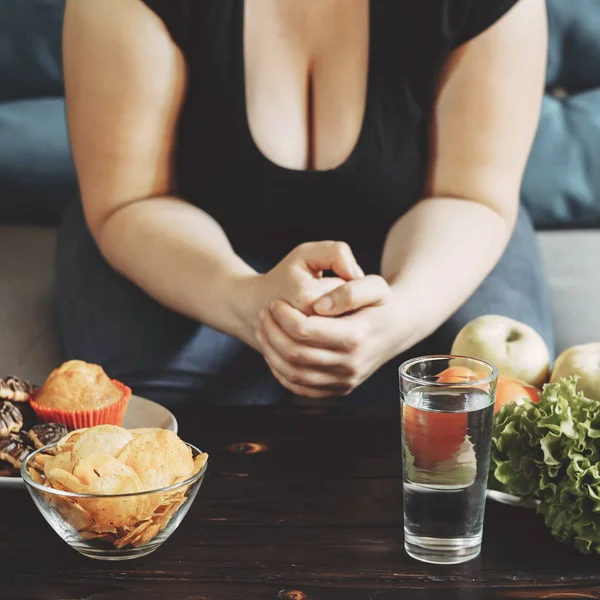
(37, 177)
(572, 261)
(561, 187)
(29, 346)
(574, 44)
(30, 48)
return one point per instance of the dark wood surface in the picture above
(298, 503)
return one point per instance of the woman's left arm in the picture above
(483, 126)
(437, 254)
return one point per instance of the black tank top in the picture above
(265, 208)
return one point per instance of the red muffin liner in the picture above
(108, 415)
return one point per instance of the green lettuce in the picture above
(549, 454)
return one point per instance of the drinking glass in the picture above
(447, 411)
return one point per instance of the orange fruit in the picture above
(512, 390)
(507, 388)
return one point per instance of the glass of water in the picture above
(447, 410)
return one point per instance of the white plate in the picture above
(140, 413)
(509, 499)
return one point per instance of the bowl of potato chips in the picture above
(113, 493)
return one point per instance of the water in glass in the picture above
(446, 449)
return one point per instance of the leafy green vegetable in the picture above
(549, 452)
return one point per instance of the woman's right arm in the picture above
(125, 83)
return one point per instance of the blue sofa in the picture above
(37, 179)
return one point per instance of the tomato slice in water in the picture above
(434, 437)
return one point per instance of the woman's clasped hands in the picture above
(323, 336)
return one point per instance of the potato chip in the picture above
(35, 475)
(63, 480)
(59, 461)
(172, 496)
(68, 441)
(160, 520)
(131, 535)
(180, 492)
(199, 462)
(106, 439)
(74, 514)
(158, 458)
(166, 515)
(110, 513)
(144, 531)
(169, 511)
(149, 533)
(39, 461)
(93, 466)
(143, 430)
(101, 537)
(116, 483)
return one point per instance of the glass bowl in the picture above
(81, 519)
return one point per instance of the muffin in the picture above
(80, 394)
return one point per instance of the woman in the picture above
(230, 153)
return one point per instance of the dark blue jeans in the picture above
(105, 319)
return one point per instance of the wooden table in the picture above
(297, 503)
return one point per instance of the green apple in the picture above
(516, 349)
(583, 360)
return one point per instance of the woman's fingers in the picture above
(304, 366)
(302, 355)
(353, 295)
(334, 256)
(338, 335)
(304, 297)
(302, 376)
